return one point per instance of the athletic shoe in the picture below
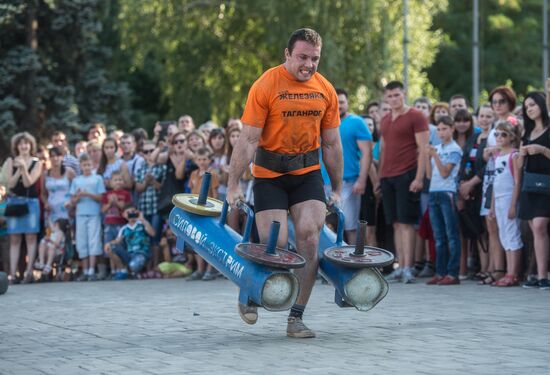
(249, 314)
(395, 276)
(195, 276)
(408, 277)
(82, 277)
(531, 284)
(120, 276)
(544, 284)
(427, 271)
(92, 277)
(209, 276)
(297, 328)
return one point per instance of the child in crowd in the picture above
(219, 159)
(53, 246)
(4, 238)
(112, 205)
(149, 180)
(86, 193)
(203, 158)
(505, 198)
(443, 171)
(136, 235)
(174, 263)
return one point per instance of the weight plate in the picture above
(280, 259)
(372, 257)
(188, 202)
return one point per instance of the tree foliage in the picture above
(53, 68)
(510, 46)
(206, 54)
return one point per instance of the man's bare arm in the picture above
(422, 140)
(364, 166)
(240, 160)
(332, 157)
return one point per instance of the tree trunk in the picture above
(30, 119)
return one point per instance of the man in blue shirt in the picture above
(357, 151)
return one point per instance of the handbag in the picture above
(16, 207)
(538, 183)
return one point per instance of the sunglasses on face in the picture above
(499, 101)
(501, 134)
(146, 152)
(178, 141)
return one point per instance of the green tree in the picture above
(510, 46)
(52, 68)
(207, 54)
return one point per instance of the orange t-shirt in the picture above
(195, 182)
(291, 114)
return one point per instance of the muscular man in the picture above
(291, 111)
(404, 137)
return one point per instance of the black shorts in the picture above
(400, 204)
(283, 192)
(368, 205)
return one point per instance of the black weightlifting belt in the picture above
(284, 163)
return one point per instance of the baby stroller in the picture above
(60, 263)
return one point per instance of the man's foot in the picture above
(297, 328)
(249, 314)
(209, 275)
(195, 276)
(427, 271)
(531, 284)
(434, 280)
(544, 284)
(449, 280)
(395, 276)
(408, 277)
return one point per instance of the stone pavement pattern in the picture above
(176, 327)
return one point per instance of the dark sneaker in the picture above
(120, 275)
(544, 284)
(249, 314)
(427, 271)
(195, 276)
(297, 328)
(209, 276)
(82, 277)
(531, 284)
(92, 277)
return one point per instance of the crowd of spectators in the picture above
(98, 210)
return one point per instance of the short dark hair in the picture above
(459, 96)
(446, 120)
(306, 35)
(204, 151)
(392, 85)
(372, 104)
(424, 100)
(342, 92)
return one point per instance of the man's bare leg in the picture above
(263, 219)
(308, 218)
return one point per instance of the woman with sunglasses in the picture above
(503, 101)
(534, 155)
(175, 160)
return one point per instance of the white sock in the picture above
(91, 271)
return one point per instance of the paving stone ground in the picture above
(176, 327)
